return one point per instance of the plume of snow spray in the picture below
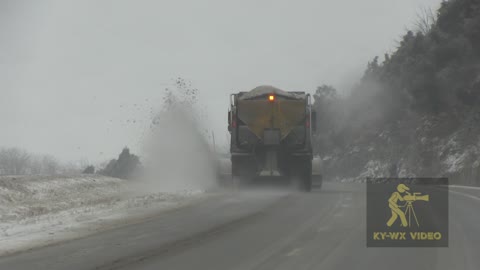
(177, 155)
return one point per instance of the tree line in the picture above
(434, 70)
(16, 161)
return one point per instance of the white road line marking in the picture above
(466, 195)
(465, 187)
(294, 252)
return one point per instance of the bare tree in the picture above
(13, 161)
(426, 18)
(50, 165)
(35, 165)
(71, 167)
(16, 161)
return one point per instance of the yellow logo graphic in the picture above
(409, 211)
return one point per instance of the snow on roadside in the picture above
(41, 210)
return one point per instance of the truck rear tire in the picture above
(302, 175)
(318, 181)
(243, 171)
(306, 180)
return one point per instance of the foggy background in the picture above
(82, 79)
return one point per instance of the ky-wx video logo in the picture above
(407, 212)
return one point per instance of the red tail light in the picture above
(234, 121)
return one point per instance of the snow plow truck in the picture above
(271, 135)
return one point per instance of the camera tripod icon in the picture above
(409, 212)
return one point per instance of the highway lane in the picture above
(261, 229)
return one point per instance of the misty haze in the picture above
(212, 134)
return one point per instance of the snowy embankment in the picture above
(40, 210)
(446, 145)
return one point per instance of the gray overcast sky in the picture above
(75, 74)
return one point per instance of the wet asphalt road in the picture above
(263, 229)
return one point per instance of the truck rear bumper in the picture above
(269, 163)
(239, 154)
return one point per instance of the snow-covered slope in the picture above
(428, 146)
(39, 210)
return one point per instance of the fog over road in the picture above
(256, 229)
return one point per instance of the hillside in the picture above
(415, 114)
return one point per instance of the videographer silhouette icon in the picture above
(396, 211)
(409, 211)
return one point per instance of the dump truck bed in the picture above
(287, 111)
(266, 90)
(271, 135)
(283, 115)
